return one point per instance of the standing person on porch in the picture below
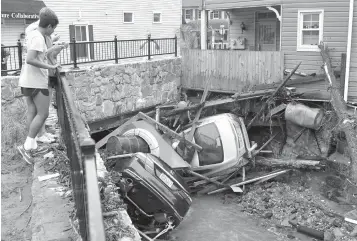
(34, 82)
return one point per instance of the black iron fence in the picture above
(99, 51)
(11, 58)
(81, 153)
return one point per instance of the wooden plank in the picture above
(231, 70)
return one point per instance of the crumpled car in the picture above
(224, 141)
(156, 195)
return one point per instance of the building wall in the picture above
(11, 30)
(352, 86)
(334, 33)
(106, 16)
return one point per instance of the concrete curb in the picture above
(51, 210)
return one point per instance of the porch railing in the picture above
(81, 153)
(100, 51)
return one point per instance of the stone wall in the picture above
(104, 91)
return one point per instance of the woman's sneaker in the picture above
(28, 155)
(45, 139)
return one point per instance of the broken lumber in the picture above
(168, 131)
(265, 144)
(340, 107)
(234, 189)
(251, 180)
(271, 97)
(198, 114)
(288, 163)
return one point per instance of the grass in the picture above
(13, 127)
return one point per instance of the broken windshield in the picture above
(208, 138)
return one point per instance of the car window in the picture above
(208, 138)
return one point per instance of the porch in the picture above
(249, 29)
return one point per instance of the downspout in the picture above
(348, 55)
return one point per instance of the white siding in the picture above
(106, 16)
(352, 86)
(334, 33)
(11, 30)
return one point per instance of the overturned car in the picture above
(149, 162)
(156, 195)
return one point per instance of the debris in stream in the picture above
(212, 147)
(280, 203)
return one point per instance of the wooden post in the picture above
(340, 107)
(343, 72)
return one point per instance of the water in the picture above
(210, 219)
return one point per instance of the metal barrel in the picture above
(119, 145)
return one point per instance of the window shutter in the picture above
(91, 38)
(71, 36)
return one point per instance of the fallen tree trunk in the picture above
(288, 163)
(347, 123)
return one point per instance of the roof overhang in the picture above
(232, 4)
(21, 9)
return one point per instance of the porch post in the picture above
(204, 29)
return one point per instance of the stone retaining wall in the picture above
(105, 91)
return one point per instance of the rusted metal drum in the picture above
(304, 116)
(119, 145)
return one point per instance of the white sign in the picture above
(19, 15)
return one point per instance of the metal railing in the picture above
(81, 153)
(100, 51)
(14, 58)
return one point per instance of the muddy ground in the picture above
(16, 198)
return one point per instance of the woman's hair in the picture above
(48, 17)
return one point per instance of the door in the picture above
(266, 35)
(81, 36)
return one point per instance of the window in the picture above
(128, 17)
(214, 14)
(188, 14)
(82, 33)
(157, 17)
(208, 138)
(310, 30)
